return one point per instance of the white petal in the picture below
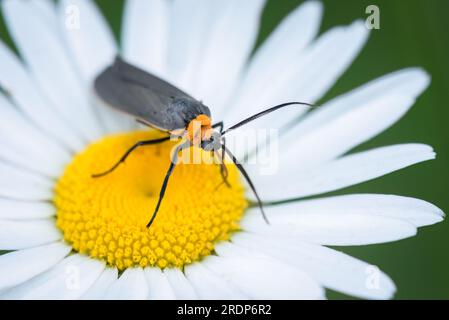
(344, 172)
(24, 92)
(145, 34)
(43, 164)
(332, 269)
(227, 48)
(326, 61)
(47, 10)
(209, 286)
(22, 162)
(22, 185)
(306, 80)
(100, 288)
(351, 119)
(2, 292)
(69, 279)
(24, 210)
(309, 78)
(182, 288)
(262, 277)
(19, 266)
(281, 51)
(131, 285)
(15, 135)
(417, 212)
(26, 234)
(32, 35)
(160, 288)
(190, 28)
(92, 46)
(342, 229)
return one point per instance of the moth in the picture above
(160, 105)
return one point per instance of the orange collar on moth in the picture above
(199, 129)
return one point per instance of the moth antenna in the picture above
(265, 112)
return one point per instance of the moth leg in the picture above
(248, 179)
(127, 153)
(263, 113)
(173, 161)
(223, 169)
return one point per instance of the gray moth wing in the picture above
(140, 94)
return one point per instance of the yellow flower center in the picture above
(106, 217)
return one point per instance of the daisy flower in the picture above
(69, 236)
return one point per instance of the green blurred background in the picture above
(412, 33)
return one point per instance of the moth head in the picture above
(199, 129)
